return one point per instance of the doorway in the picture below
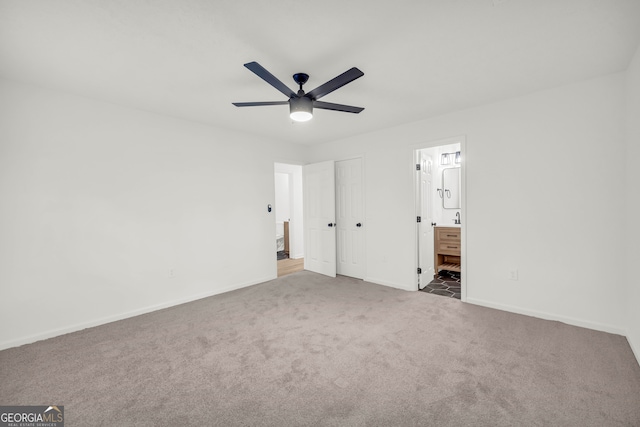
(439, 201)
(289, 223)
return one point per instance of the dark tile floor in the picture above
(446, 284)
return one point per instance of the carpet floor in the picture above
(306, 350)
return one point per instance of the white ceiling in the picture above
(421, 58)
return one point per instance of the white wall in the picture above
(283, 204)
(99, 204)
(543, 178)
(632, 231)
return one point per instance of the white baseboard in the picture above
(389, 284)
(550, 316)
(635, 348)
(104, 320)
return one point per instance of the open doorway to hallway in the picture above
(440, 214)
(288, 218)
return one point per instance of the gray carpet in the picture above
(306, 350)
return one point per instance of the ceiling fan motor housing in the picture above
(301, 107)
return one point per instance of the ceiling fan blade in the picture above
(261, 72)
(335, 83)
(259, 104)
(336, 107)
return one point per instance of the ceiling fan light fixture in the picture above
(301, 104)
(300, 109)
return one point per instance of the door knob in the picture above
(359, 224)
(332, 224)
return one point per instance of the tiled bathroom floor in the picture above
(446, 284)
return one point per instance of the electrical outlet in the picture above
(513, 274)
(172, 273)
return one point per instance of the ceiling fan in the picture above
(301, 104)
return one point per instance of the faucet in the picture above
(457, 220)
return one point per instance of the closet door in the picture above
(319, 218)
(350, 218)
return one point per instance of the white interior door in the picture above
(349, 218)
(319, 218)
(425, 228)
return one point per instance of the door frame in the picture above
(462, 139)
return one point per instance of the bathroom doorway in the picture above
(440, 217)
(289, 227)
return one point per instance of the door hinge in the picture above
(419, 219)
(419, 270)
(417, 166)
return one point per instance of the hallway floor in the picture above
(446, 284)
(289, 265)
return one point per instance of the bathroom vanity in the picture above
(446, 249)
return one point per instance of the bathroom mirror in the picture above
(451, 188)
